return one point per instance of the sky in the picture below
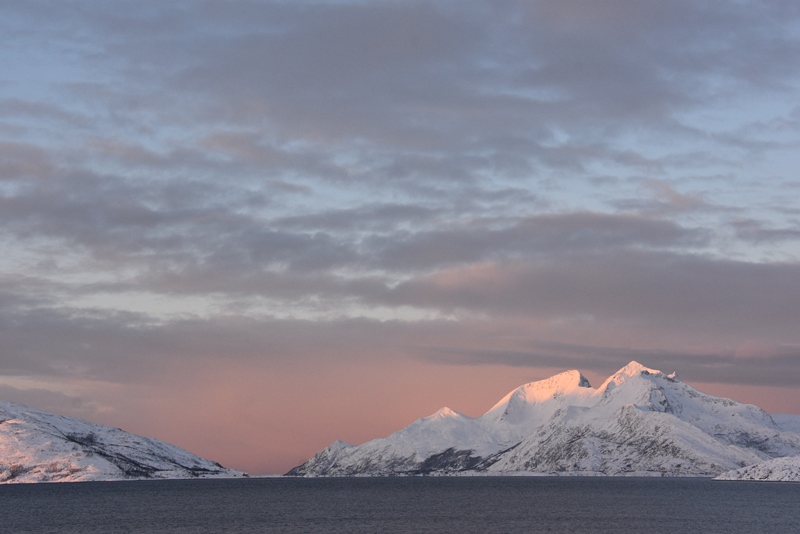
(250, 228)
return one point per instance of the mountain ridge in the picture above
(37, 446)
(640, 421)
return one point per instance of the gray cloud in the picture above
(752, 230)
(429, 77)
(131, 349)
(673, 294)
(777, 369)
(533, 236)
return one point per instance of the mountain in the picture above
(785, 469)
(640, 421)
(787, 421)
(36, 446)
(778, 469)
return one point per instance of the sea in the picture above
(403, 504)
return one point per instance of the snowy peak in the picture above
(543, 390)
(633, 369)
(560, 383)
(444, 413)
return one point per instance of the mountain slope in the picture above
(787, 422)
(638, 422)
(778, 469)
(36, 446)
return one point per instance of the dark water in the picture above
(462, 505)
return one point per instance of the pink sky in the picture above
(267, 421)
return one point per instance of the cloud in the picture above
(423, 77)
(774, 369)
(533, 236)
(24, 161)
(666, 200)
(689, 297)
(756, 231)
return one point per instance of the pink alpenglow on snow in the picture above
(639, 422)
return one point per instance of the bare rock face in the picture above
(640, 421)
(36, 446)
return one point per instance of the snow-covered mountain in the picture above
(789, 422)
(778, 469)
(638, 422)
(36, 446)
(786, 469)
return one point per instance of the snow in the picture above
(632, 369)
(787, 422)
(445, 413)
(529, 400)
(778, 469)
(36, 446)
(640, 421)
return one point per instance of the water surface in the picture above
(418, 504)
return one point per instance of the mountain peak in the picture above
(444, 413)
(541, 391)
(562, 382)
(631, 370)
(635, 367)
(546, 388)
(339, 445)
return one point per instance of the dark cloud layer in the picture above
(774, 370)
(671, 292)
